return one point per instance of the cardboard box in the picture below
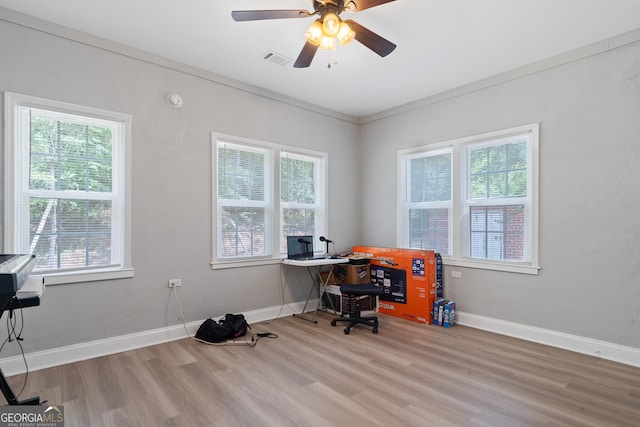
(438, 310)
(332, 281)
(439, 276)
(408, 279)
(333, 299)
(350, 274)
(368, 304)
(449, 314)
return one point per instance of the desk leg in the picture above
(323, 290)
(320, 287)
(314, 285)
(11, 397)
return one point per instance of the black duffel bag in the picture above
(231, 326)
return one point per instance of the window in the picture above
(263, 193)
(245, 203)
(67, 188)
(496, 201)
(429, 206)
(301, 210)
(473, 200)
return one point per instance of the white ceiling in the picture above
(442, 44)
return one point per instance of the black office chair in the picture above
(353, 318)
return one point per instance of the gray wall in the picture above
(589, 111)
(171, 185)
(589, 115)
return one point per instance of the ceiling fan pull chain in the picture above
(335, 61)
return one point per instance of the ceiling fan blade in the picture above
(367, 4)
(373, 41)
(306, 56)
(258, 15)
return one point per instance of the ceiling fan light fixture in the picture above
(346, 34)
(331, 24)
(328, 43)
(327, 27)
(314, 33)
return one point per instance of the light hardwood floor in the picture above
(315, 375)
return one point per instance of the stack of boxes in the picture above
(407, 278)
(444, 312)
(439, 275)
(347, 274)
(412, 281)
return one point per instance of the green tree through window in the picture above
(69, 157)
(67, 188)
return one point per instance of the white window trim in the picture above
(276, 256)
(13, 156)
(458, 259)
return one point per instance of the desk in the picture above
(314, 267)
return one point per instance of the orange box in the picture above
(408, 278)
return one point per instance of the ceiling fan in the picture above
(324, 31)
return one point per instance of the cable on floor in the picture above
(250, 339)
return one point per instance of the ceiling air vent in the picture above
(276, 58)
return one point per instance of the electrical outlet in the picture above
(457, 274)
(174, 283)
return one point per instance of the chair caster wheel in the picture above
(374, 330)
(346, 331)
(333, 323)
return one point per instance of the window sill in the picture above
(78, 277)
(509, 268)
(484, 265)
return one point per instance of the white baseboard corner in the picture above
(578, 344)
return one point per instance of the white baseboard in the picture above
(74, 353)
(601, 349)
(60, 356)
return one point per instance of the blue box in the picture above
(436, 314)
(439, 276)
(449, 314)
